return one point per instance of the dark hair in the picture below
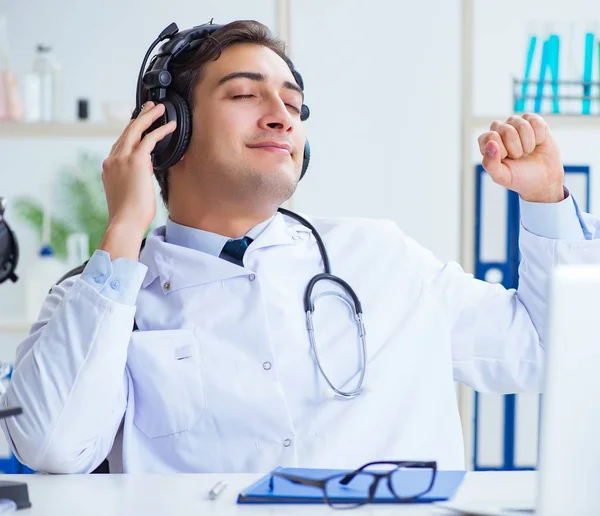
(186, 69)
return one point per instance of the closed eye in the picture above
(249, 96)
(294, 108)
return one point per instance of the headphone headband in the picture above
(183, 39)
(157, 77)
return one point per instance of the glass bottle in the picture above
(11, 109)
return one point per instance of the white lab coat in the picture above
(221, 378)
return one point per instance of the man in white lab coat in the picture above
(219, 375)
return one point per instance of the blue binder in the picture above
(445, 486)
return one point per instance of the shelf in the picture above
(62, 129)
(17, 326)
(555, 121)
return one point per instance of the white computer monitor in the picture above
(569, 448)
(569, 463)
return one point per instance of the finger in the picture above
(492, 136)
(510, 138)
(133, 135)
(151, 139)
(526, 134)
(492, 163)
(119, 143)
(539, 126)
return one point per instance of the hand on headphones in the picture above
(127, 176)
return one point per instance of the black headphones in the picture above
(153, 84)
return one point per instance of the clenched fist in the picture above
(521, 155)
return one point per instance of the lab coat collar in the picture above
(281, 231)
(180, 267)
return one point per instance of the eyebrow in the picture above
(258, 77)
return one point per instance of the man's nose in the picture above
(278, 117)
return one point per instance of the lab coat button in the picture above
(287, 443)
(99, 278)
(115, 284)
(167, 286)
(267, 366)
(252, 277)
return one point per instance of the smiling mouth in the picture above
(270, 148)
(274, 146)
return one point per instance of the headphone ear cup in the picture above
(172, 147)
(306, 159)
(304, 112)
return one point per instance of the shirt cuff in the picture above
(119, 281)
(555, 220)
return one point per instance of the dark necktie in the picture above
(234, 250)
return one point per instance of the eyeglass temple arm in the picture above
(373, 488)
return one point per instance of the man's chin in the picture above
(273, 183)
(277, 173)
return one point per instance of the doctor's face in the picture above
(247, 139)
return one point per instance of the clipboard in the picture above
(285, 492)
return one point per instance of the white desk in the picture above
(186, 495)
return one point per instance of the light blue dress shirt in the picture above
(559, 221)
(120, 280)
(204, 241)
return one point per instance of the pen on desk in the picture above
(217, 489)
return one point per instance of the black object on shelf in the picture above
(82, 109)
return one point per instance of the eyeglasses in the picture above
(403, 481)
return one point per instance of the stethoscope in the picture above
(309, 310)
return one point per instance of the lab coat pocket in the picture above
(168, 390)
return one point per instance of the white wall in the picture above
(383, 85)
